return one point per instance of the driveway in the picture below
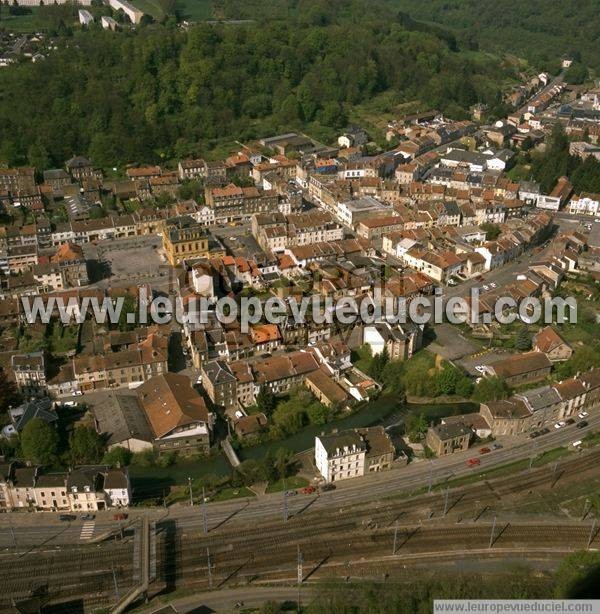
(451, 344)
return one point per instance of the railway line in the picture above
(334, 541)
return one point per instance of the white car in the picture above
(480, 368)
(486, 287)
(583, 414)
(451, 282)
(557, 425)
(493, 285)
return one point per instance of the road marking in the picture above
(87, 530)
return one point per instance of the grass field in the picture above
(192, 10)
(21, 23)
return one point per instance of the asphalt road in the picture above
(44, 529)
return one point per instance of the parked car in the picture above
(534, 435)
(120, 516)
(308, 490)
(544, 431)
(582, 424)
(87, 517)
(473, 462)
(497, 446)
(583, 414)
(480, 368)
(570, 421)
(291, 493)
(328, 486)
(484, 450)
(66, 517)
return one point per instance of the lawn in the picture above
(191, 10)
(22, 23)
(196, 10)
(291, 483)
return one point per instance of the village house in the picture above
(448, 438)
(520, 369)
(353, 453)
(176, 413)
(548, 341)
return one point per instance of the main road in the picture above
(27, 530)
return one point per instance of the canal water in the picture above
(385, 410)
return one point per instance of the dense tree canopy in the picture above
(540, 30)
(159, 92)
(39, 442)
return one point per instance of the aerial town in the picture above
(235, 430)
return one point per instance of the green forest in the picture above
(539, 30)
(162, 93)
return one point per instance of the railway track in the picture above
(329, 540)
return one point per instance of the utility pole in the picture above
(492, 533)
(12, 532)
(395, 538)
(204, 514)
(209, 568)
(117, 597)
(191, 494)
(430, 476)
(300, 575)
(592, 534)
(532, 457)
(446, 500)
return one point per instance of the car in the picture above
(327, 487)
(557, 425)
(582, 424)
(308, 490)
(120, 516)
(583, 414)
(480, 278)
(87, 517)
(66, 517)
(597, 220)
(544, 431)
(484, 450)
(480, 368)
(497, 446)
(451, 282)
(570, 421)
(473, 462)
(291, 493)
(78, 393)
(493, 285)
(485, 287)
(534, 435)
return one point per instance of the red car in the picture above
(308, 490)
(120, 517)
(484, 451)
(473, 462)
